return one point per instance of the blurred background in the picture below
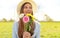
(48, 13)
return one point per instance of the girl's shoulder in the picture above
(15, 23)
(37, 24)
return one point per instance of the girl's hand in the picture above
(26, 35)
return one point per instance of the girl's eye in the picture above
(25, 7)
(30, 7)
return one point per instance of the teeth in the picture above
(21, 15)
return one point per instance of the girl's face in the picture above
(27, 9)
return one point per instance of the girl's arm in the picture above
(14, 31)
(38, 31)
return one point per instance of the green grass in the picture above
(47, 29)
(50, 30)
(6, 29)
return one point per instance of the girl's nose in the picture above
(28, 10)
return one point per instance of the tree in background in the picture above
(11, 20)
(4, 20)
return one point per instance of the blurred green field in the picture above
(50, 30)
(47, 29)
(6, 29)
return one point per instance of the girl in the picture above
(18, 28)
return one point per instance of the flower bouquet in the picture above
(27, 19)
(28, 22)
